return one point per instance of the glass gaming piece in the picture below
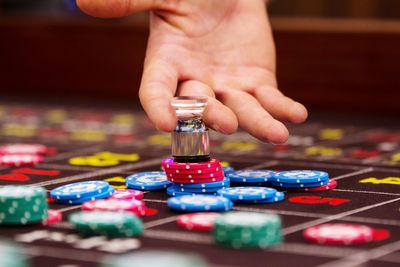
(190, 141)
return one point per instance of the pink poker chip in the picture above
(216, 169)
(54, 216)
(201, 221)
(169, 163)
(23, 149)
(332, 184)
(339, 234)
(195, 181)
(136, 206)
(20, 160)
(195, 176)
(128, 194)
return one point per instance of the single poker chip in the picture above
(197, 190)
(339, 234)
(196, 176)
(228, 170)
(20, 160)
(201, 221)
(247, 230)
(136, 206)
(169, 163)
(296, 185)
(81, 200)
(332, 184)
(247, 193)
(251, 176)
(54, 217)
(216, 169)
(128, 194)
(13, 254)
(174, 192)
(300, 176)
(199, 203)
(218, 184)
(148, 181)
(155, 258)
(79, 190)
(23, 149)
(106, 223)
(278, 197)
(196, 181)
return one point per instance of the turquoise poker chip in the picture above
(251, 176)
(199, 203)
(223, 183)
(78, 201)
(300, 177)
(247, 193)
(79, 190)
(296, 185)
(279, 196)
(148, 181)
(174, 192)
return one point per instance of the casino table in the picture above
(363, 156)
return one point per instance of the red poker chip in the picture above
(195, 176)
(195, 181)
(54, 216)
(169, 163)
(329, 186)
(20, 160)
(23, 149)
(127, 194)
(136, 206)
(339, 234)
(195, 171)
(201, 221)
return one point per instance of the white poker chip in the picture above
(148, 181)
(247, 193)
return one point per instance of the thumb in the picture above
(117, 8)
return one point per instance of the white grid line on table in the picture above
(364, 256)
(136, 165)
(179, 236)
(320, 164)
(266, 164)
(370, 169)
(67, 167)
(302, 226)
(366, 192)
(158, 222)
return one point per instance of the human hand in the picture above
(222, 49)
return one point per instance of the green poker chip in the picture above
(12, 255)
(106, 223)
(20, 205)
(156, 258)
(247, 230)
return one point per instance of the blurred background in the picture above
(338, 56)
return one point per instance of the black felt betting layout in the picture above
(365, 161)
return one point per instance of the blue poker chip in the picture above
(79, 190)
(301, 177)
(279, 196)
(296, 185)
(223, 183)
(247, 193)
(103, 195)
(197, 190)
(251, 176)
(227, 170)
(148, 181)
(171, 191)
(199, 203)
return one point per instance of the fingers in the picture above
(116, 8)
(253, 118)
(159, 82)
(280, 106)
(216, 115)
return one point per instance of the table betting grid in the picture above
(363, 160)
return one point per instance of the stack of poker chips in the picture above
(194, 178)
(252, 194)
(298, 179)
(78, 193)
(133, 206)
(106, 223)
(248, 230)
(20, 205)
